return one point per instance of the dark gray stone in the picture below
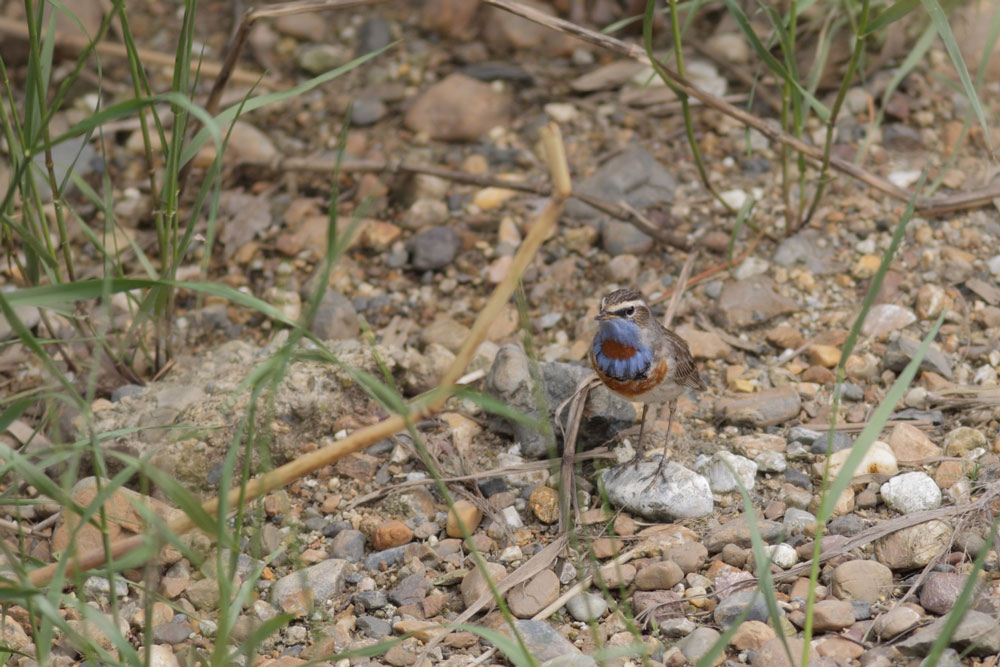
(333, 528)
(862, 610)
(366, 111)
(373, 35)
(385, 558)
(410, 590)
(433, 248)
(731, 607)
(349, 545)
(840, 441)
(171, 633)
(847, 525)
(371, 600)
(904, 348)
(373, 627)
(798, 478)
(542, 640)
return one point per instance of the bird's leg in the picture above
(666, 442)
(642, 428)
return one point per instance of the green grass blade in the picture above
(891, 15)
(510, 648)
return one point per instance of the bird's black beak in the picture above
(603, 316)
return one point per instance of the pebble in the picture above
(911, 492)
(731, 607)
(901, 350)
(664, 604)
(458, 108)
(374, 34)
(433, 248)
(174, 632)
(690, 556)
(764, 408)
(913, 547)
(366, 111)
(751, 302)
(587, 607)
(879, 459)
(698, 643)
(809, 247)
(544, 642)
(962, 440)
(299, 592)
(321, 58)
(425, 213)
(474, 583)
(977, 632)
(737, 531)
(616, 575)
(931, 301)
(335, 318)
(720, 469)
(840, 442)
(751, 635)
(463, 511)
(782, 555)
(527, 599)
(768, 461)
(941, 590)
(863, 580)
(773, 653)
(798, 521)
(832, 615)
(886, 318)
(896, 621)
(371, 626)
(910, 444)
(371, 600)
(544, 503)
(678, 493)
(375, 562)
(623, 269)
(348, 545)
(659, 576)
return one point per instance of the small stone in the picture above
(977, 632)
(782, 555)
(838, 648)
(623, 269)
(348, 545)
(832, 615)
(664, 605)
(373, 627)
(726, 472)
(433, 248)
(751, 635)
(771, 462)
(544, 642)
(913, 547)
(171, 633)
(621, 238)
(751, 302)
(677, 493)
(902, 349)
(863, 580)
(798, 521)
(544, 503)
(659, 576)
(335, 318)
(374, 34)
(474, 584)
(731, 607)
(458, 108)
(410, 590)
(699, 643)
(766, 408)
(896, 621)
(389, 534)
(704, 344)
(885, 318)
(837, 443)
(690, 556)
(366, 111)
(827, 356)
(866, 266)
(737, 531)
(931, 300)
(910, 444)
(299, 592)
(941, 590)
(527, 599)
(615, 575)
(772, 653)
(911, 492)
(879, 459)
(491, 198)
(587, 607)
(424, 213)
(962, 440)
(320, 58)
(784, 337)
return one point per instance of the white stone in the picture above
(561, 112)
(734, 198)
(994, 265)
(782, 555)
(750, 267)
(797, 520)
(512, 518)
(879, 459)
(911, 492)
(768, 461)
(719, 472)
(511, 554)
(904, 178)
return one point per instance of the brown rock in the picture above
(750, 302)
(668, 604)
(913, 547)
(606, 547)
(474, 583)
(658, 576)
(863, 580)
(819, 375)
(940, 591)
(832, 615)
(909, 443)
(839, 648)
(827, 356)
(949, 472)
(704, 344)
(469, 514)
(896, 621)
(624, 525)
(765, 408)
(358, 466)
(772, 653)
(690, 557)
(784, 337)
(615, 575)
(751, 635)
(527, 599)
(505, 31)
(390, 534)
(544, 503)
(459, 108)
(451, 18)
(737, 531)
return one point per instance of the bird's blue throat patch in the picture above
(618, 352)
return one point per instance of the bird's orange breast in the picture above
(612, 349)
(632, 388)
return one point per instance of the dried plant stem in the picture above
(420, 409)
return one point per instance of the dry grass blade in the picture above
(678, 291)
(362, 438)
(925, 206)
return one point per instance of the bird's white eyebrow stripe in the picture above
(625, 304)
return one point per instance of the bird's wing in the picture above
(685, 370)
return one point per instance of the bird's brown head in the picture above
(627, 304)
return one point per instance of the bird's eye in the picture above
(630, 311)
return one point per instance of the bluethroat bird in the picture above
(640, 359)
